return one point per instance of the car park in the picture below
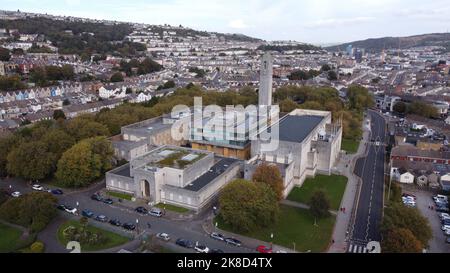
(184, 243)
(201, 248)
(141, 210)
(232, 241)
(217, 236)
(163, 236)
(16, 194)
(87, 213)
(129, 226)
(155, 212)
(37, 187)
(101, 218)
(115, 222)
(264, 249)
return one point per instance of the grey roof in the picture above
(123, 171)
(297, 128)
(218, 169)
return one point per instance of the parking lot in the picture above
(424, 199)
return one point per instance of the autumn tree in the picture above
(82, 127)
(401, 240)
(288, 105)
(246, 206)
(117, 77)
(58, 114)
(84, 162)
(270, 175)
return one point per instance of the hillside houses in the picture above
(36, 93)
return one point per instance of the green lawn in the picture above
(113, 238)
(350, 146)
(119, 195)
(333, 185)
(294, 226)
(9, 237)
(172, 208)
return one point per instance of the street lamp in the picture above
(217, 224)
(137, 226)
(271, 241)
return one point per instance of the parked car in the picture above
(96, 197)
(217, 236)
(442, 209)
(115, 222)
(37, 187)
(71, 210)
(101, 218)
(163, 236)
(201, 248)
(57, 192)
(87, 213)
(216, 250)
(155, 212)
(16, 194)
(108, 201)
(445, 227)
(232, 241)
(447, 232)
(444, 215)
(440, 198)
(185, 243)
(448, 240)
(264, 249)
(61, 207)
(141, 210)
(129, 226)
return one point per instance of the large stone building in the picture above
(174, 175)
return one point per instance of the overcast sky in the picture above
(313, 21)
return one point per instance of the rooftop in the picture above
(219, 168)
(295, 128)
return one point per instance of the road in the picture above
(191, 230)
(371, 170)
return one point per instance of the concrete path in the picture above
(350, 198)
(301, 205)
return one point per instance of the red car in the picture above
(264, 249)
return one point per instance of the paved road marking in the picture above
(356, 248)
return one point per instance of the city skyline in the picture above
(322, 22)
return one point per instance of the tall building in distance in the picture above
(266, 80)
(349, 50)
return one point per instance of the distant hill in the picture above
(378, 44)
(282, 48)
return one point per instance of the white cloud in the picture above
(237, 24)
(334, 22)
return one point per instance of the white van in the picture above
(155, 212)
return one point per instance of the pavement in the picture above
(370, 200)
(344, 220)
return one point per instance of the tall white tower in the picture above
(266, 80)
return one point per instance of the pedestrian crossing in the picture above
(354, 248)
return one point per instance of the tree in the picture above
(359, 98)
(401, 241)
(31, 160)
(332, 75)
(84, 162)
(33, 210)
(246, 206)
(319, 204)
(288, 105)
(270, 175)
(325, 68)
(117, 77)
(399, 216)
(4, 54)
(82, 128)
(400, 107)
(7, 143)
(58, 114)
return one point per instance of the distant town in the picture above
(87, 130)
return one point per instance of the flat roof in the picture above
(297, 128)
(123, 171)
(218, 169)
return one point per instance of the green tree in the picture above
(270, 175)
(58, 114)
(319, 204)
(325, 68)
(332, 75)
(34, 210)
(359, 98)
(400, 107)
(401, 240)
(7, 143)
(84, 162)
(399, 216)
(4, 54)
(117, 77)
(246, 206)
(81, 128)
(288, 105)
(31, 160)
